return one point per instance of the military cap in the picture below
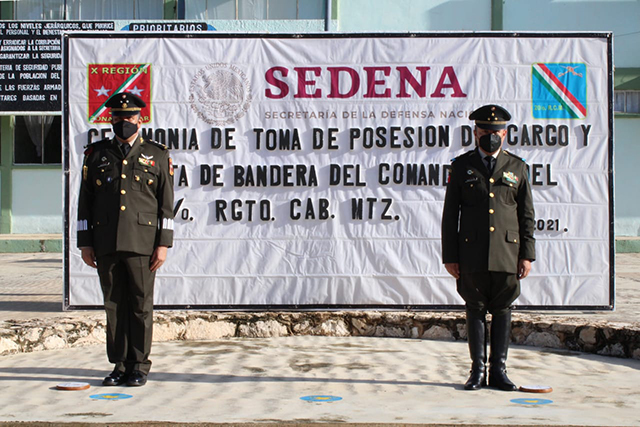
(125, 104)
(491, 117)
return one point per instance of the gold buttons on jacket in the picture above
(98, 182)
(491, 211)
(123, 176)
(491, 195)
(122, 208)
(137, 178)
(123, 191)
(491, 180)
(124, 162)
(492, 229)
(150, 182)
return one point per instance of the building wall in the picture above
(620, 16)
(36, 194)
(36, 201)
(627, 191)
(414, 15)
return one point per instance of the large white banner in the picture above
(310, 171)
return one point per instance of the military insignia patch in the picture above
(146, 162)
(170, 166)
(510, 177)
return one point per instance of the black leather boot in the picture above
(476, 325)
(500, 338)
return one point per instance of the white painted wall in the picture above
(36, 201)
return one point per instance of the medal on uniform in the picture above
(146, 162)
(510, 177)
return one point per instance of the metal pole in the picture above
(327, 18)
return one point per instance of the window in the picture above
(88, 9)
(627, 101)
(255, 9)
(39, 9)
(37, 140)
(115, 9)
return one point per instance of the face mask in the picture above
(125, 129)
(490, 143)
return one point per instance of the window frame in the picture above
(43, 141)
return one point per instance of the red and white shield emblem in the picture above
(106, 80)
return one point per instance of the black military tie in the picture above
(125, 148)
(491, 161)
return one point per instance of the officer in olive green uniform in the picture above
(487, 240)
(125, 225)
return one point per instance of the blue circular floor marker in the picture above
(532, 401)
(321, 398)
(111, 396)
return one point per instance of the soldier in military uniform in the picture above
(125, 225)
(487, 240)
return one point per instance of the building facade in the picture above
(30, 143)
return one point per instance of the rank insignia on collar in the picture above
(510, 177)
(146, 162)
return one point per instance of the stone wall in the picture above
(619, 340)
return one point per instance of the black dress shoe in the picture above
(477, 379)
(137, 379)
(498, 379)
(115, 378)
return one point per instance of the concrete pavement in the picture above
(356, 380)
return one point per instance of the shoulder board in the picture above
(461, 156)
(157, 144)
(90, 147)
(513, 155)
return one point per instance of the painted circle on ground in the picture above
(532, 401)
(111, 396)
(73, 386)
(321, 398)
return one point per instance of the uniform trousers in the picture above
(492, 291)
(127, 287)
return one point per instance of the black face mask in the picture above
(490, 143)
(125, 129)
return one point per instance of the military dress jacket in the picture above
(126, 204)
(488, 221)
